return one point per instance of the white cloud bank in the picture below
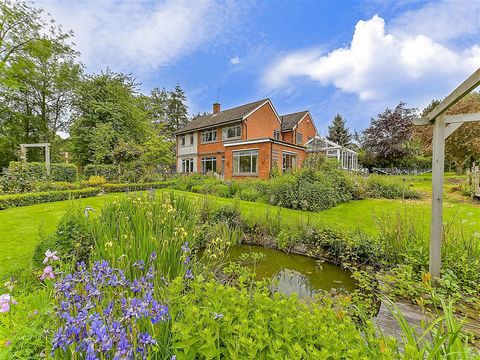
(146, 35)
(381, 65)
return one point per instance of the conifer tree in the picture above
(338, 132)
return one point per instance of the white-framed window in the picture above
(299, 139)
(209, 164)
(276, 134)
(289, 161)
(275, 158)
(187, 165)
(245, 162)
(232, 132)
(209, 135)
(187, 140)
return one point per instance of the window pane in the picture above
(245, 164)
(254, 163)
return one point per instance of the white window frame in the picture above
(237, 154)
(187, 165)
(276, 134)
(237, 129)
(301, 138)
(212, 132)
(211, 159)
(294, 162)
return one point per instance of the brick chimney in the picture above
(216, 108)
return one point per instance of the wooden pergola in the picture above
(444, 126)
(23, 151)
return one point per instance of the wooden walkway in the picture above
(415, 316)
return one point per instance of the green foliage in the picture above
(131, 228)
(213, 321)
(21, 177)
(338, 132)
(22, 333)
(72, 240)
(109, 172)
(107, 110)
(14, 200)
(94, 181)
(378, 186)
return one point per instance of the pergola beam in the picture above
(463, 89)
(450, 129)
(450, 119)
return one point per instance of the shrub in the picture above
(72, 239)
(58, 185)
(318, 195)
(109, 172)
(109, 188)
(390, 188)
(94, 181)
(283, 191)
(14, 200)
(63, 172)
(18, 178)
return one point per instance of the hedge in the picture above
(15, 200)
(110, 188)
(58, 171)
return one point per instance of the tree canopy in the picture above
(338, 132)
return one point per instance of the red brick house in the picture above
(245, 141)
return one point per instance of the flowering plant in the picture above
(102, 314)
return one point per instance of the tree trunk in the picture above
(459, 168)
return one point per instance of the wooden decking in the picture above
(414, 315)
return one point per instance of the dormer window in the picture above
(232, 132)
(209, 135)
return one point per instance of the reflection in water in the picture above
(292, 273)
(289, 281)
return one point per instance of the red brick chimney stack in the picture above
(216, 108)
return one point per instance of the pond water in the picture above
(294, 273)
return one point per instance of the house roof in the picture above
(289, 121)
(223, 117)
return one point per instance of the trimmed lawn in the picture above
(20, 227)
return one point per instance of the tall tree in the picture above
(177, 110)
(463, 146)
(388, 138)
(38, 74)
(107, 98)
(338, 132)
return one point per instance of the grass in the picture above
(20, 227)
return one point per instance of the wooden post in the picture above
(438, 163)
(47, 158)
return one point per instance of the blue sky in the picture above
(348, 57)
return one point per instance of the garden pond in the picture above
(294, 273)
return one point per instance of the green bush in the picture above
(283, 191)
(14, 200)
(63, 172)
(109, 188)
(18, 178)
(72, 240)
(57, 185)
(379, 186)
(109, 172)
(317, 196)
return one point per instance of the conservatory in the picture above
(347, 158)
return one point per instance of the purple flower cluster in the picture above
(104, 315)
(186, 260)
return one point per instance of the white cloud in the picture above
(235, 60)
(146, 35)
(379, 65)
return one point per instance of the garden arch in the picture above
(23, 150)
(443, 127)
